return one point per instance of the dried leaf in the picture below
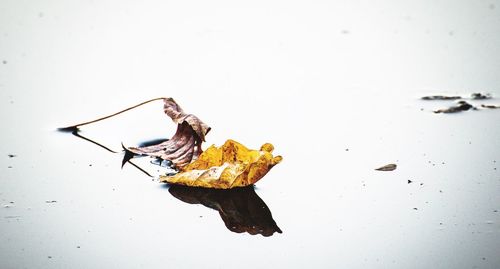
(461, 106)
(389, 167)
(231, 165)
(185, 145)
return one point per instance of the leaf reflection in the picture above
(241, 209)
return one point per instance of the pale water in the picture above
(335, 88)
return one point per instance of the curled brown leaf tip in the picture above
(185, 145)
(175, 112)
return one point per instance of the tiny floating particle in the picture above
(490, 106)
(480, 96)
(441, 97)
(461, 106)
(388, 167)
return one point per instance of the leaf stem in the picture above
(74, 127)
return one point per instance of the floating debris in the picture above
(491, 106)
(461, 106)
(441, 97)
(50, 201)
(388, 167)
(480, 96)
(12, 155)
(409, 181)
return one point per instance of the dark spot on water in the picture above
(4, 62)
(346, 149)
(12, 155)
(409, 181)
(50, 257)
(50, 201)
(77, 246)
(9, 166)
(90, 165)
(421, 184)
(415, 208)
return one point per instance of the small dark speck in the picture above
(90, 164)
(346, 149)
(77, 246)
(4, 62)
(201, 216)
(440, 191)
(11, 202)
(440, 223)
(484, 259)
(421, 184)
(415, 208)
(495, 211)
(409, 181)
(50, 201)
(9, 166)
(50, 257)
(11, 155)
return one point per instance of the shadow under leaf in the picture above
(241, 209)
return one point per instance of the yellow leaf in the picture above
(231, 165)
